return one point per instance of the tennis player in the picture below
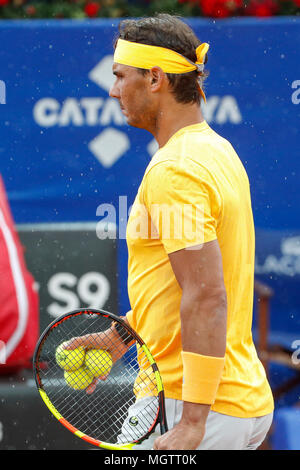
(191, 245)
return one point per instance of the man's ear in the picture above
(157, 79)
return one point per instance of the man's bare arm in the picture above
(203, 312)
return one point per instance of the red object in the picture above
(263, 8)
(91, 9)
(4, 2)
(19, 301)
(215, 8)
(30, 10)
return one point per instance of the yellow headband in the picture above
(145, 56)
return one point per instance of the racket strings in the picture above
(124, 407)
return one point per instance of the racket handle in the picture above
(163, 428)
(163, 421)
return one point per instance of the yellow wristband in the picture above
(201, 377)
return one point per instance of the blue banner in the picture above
(65, 149)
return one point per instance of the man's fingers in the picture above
(91, 388)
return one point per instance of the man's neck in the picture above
(171, 119)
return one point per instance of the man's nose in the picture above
(113, 92)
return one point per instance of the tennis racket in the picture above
(99, 379)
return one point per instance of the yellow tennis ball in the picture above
(78, 379)
(98, 361)
(69, 359)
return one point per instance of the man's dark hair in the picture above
(170, 32)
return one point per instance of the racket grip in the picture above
(163, 419)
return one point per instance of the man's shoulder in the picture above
(175, 170)
(181, 159)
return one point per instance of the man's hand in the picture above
(109, 340)
(182, 437)
(189, 432)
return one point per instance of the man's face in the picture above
(130, 89)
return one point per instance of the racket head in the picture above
(125, 408)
